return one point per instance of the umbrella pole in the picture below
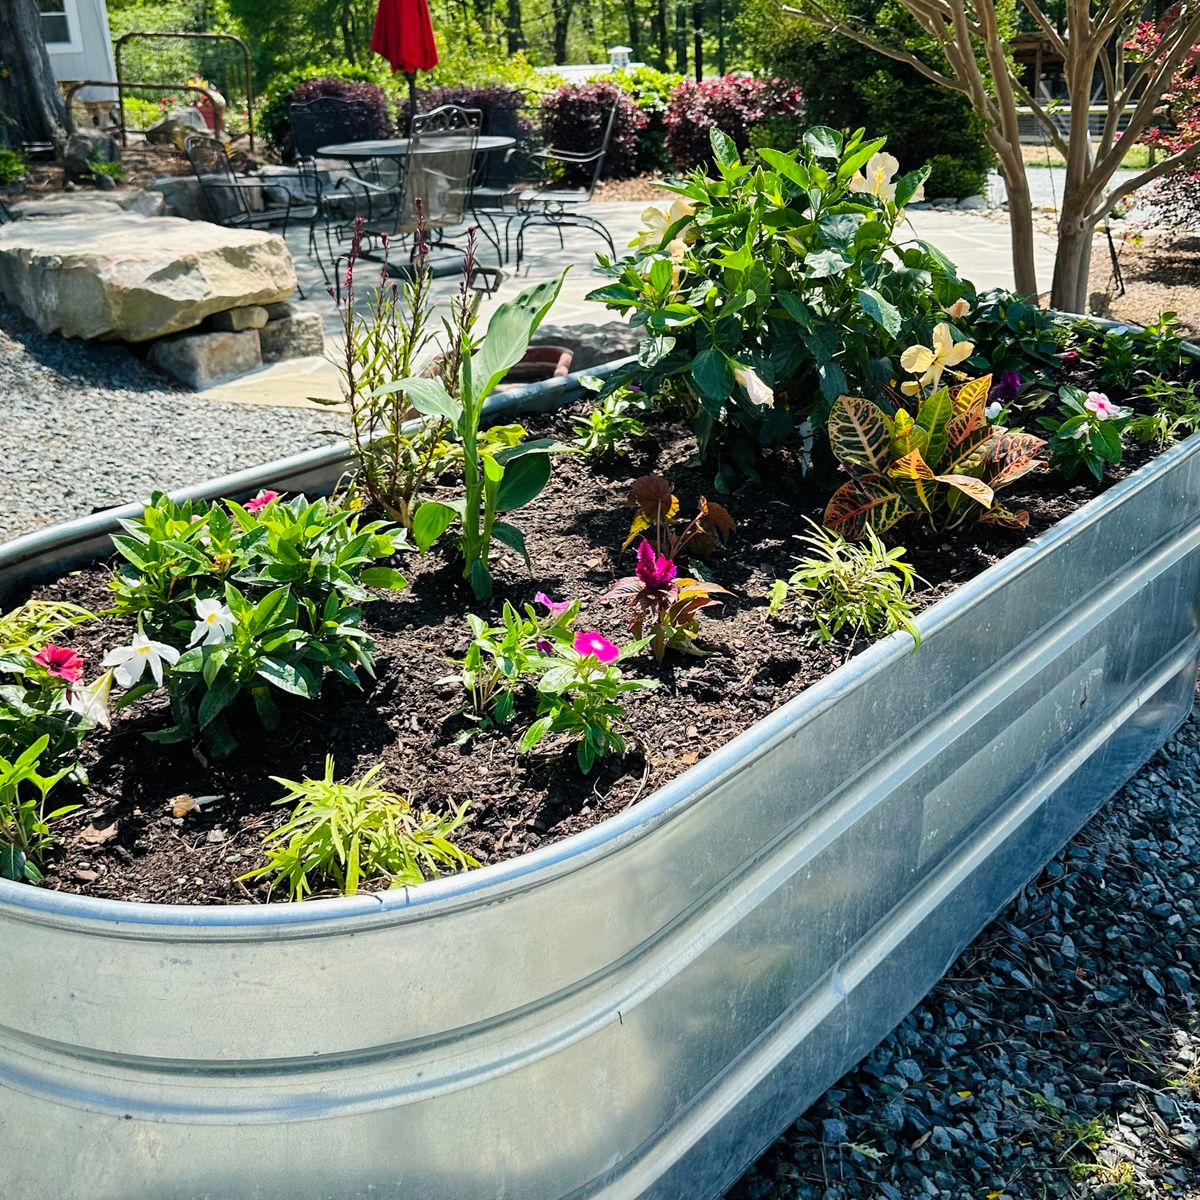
(412, 98)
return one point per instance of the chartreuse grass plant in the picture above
(343, 835)
(862, 587)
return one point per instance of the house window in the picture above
(59, 24)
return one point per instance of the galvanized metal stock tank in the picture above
(637, 1010)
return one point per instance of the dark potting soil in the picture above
(126, 843)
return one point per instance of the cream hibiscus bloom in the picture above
(958, 309)
(876, 179)
(929, 362)
(659, 220)
(758, 391)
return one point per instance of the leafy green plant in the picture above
(579, 696)
(860, 586)
(609, 425)
(12, 165)
(1175, 410)
(1011, 334)
(31, 625)
(346, 834)
(1086, 434)
(944, 464)
(1120, 353)
(497, 483)
(114, 170)
(501, 656)
(770, 291)
(25, 834)
(666, 606)
(269, 592)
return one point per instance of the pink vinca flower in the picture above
(554, 607)
(656, 571)
(599, 647)
(261, 501)
(60, 661)
(1101, 405)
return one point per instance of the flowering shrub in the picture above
(734, 104)
(343, 80)
(574, 117)
(666, 605)
(944, 462)
(770, 291)
(262, 597)
(1086, 434)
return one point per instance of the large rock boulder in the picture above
(84, 147)
(120, 275)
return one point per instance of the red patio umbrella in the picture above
(403, 34)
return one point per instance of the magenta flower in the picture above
(261, 501)
(1069, 357)
(599, 647)
(656, 571)
(1101, 405)
(554, 607)
(1006, 386)
(60, 661)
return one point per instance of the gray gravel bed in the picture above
(1060, 1056)
(86, 426)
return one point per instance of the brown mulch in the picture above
(1160, 274)
(126, 843)
(642, 187)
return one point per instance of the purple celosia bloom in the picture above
(656, 571)
(1006, 387)
(554, 607)
(588, 641)
(544, 646)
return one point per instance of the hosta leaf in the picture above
(1013, 454)
(973, 393)
(976, 489)
(871, 500)
(858, 433)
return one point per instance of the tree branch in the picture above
(1052, 36)
(1165, 166)
(1056, 138)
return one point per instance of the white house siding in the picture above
(89, 54)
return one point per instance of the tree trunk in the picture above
(635, 30)
(698, 38)
(1020, 221)
(664, 40)
(514, 27)
(1072, 263)
(562, 22)
(681, 40)
(31, 107)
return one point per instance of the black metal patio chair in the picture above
(557, 201)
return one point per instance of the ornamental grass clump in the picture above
(343, 835)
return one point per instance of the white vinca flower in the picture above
(756, 389)
(213, 623)
(130, 662)
(92, 701)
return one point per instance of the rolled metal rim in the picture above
(485, 884)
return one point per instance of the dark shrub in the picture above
(734, 104)
(499, 104)
(574, 117)
(301, 86)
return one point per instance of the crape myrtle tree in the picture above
(1093, 40)
(31, 109)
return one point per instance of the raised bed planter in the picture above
(639, 1009)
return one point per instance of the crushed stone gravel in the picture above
(1060, 1056)
(87, 426)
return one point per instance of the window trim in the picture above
(74, 43)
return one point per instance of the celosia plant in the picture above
(656, 515)
(666, 606)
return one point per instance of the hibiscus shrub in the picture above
(734, 104)
(574, 117)
(232, 600)
(767, 293)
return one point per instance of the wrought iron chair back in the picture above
(225, 197)
(326, 120)
(440, 166)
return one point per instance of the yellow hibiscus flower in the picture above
(929, 362)
(659, 220)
